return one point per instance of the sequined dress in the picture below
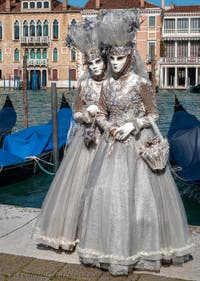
(132, 218)
(58, 220)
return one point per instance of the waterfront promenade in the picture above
(22, 260)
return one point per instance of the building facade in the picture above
(180, 55)
(37, 30)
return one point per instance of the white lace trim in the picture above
(154, 255)
(57, 243)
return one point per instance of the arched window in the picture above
(25, 28)
(1, 31)
(73, 22)
(44, 55)
(16, 30)
(39, 28)
(16, 54)
(46, 28)
(55, 29)
(73, 54)
(46, 4)
(32, 5)
(27, 53)
(25, 5)
(32, 54)
(32, 28)
(38, 54)
(0, 54)
(55, 54)
(39, 5)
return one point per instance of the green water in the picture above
(31, 192)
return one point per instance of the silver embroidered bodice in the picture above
(121, 100)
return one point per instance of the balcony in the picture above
(185, 32)
(180, 60)
(37, 62)
(35, 40)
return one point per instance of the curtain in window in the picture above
(169, 25)
(39, 28)
(182, 49)
(32, 28)
(38, 55)
(182, 25)
(195, 25)
(169, 49)
(32, 54)
(46, 28)
(25, 28)
(195, 48)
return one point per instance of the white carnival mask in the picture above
(117, 62)
(96, 66)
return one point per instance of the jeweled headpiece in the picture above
(117, 28)
(84, 37)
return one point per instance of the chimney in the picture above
(8, 5)
(142, 3)
(97, 4)
(163, 4)
(64, 5)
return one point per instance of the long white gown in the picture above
(132, 218)
(58, 220)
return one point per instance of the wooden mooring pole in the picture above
(153, 68)
(25, 97)
(54, 126)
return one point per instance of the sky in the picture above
(81, 3)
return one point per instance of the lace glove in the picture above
(123, 131)
(92, 109)
(83, 117)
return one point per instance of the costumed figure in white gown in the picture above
(133, 216)
(58, 221)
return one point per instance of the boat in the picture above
(28, 151)
(195, 89)
(184, 141)
(8, 117)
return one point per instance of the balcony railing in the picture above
(35, 40)
(37, 62)
(182, 31)
(185, 60)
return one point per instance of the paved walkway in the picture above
(22, 260)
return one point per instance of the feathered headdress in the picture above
(84, 37)
(118, 29)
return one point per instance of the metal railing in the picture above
(186, 60)
(35, 40)
(180, 31)
(37, 62)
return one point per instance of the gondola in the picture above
(8, 117)
(195, 89)
(30, 150)
(184, 141)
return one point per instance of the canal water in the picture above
(31, 192)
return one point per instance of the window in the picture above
(25, 5)
(73, 74)
(46, 4)
(0, 54)
(169, 49)
(55, 54)
(39, 28)
(46, 28)
(195, 25)
(1, 31)
(195, 48)
(39, 5)
(25, 28)
(16, 30)
(152, 21)
(182, 49)
(150, 45)
(44, 54)
(182, 25)
(27, 53)
(73, 54)
(55, 74)
(32, 28)
(169, 25)
(55, 29)
(32, 54)
(38, 54)
(32, 5)
(0, 74)
(16, 55)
